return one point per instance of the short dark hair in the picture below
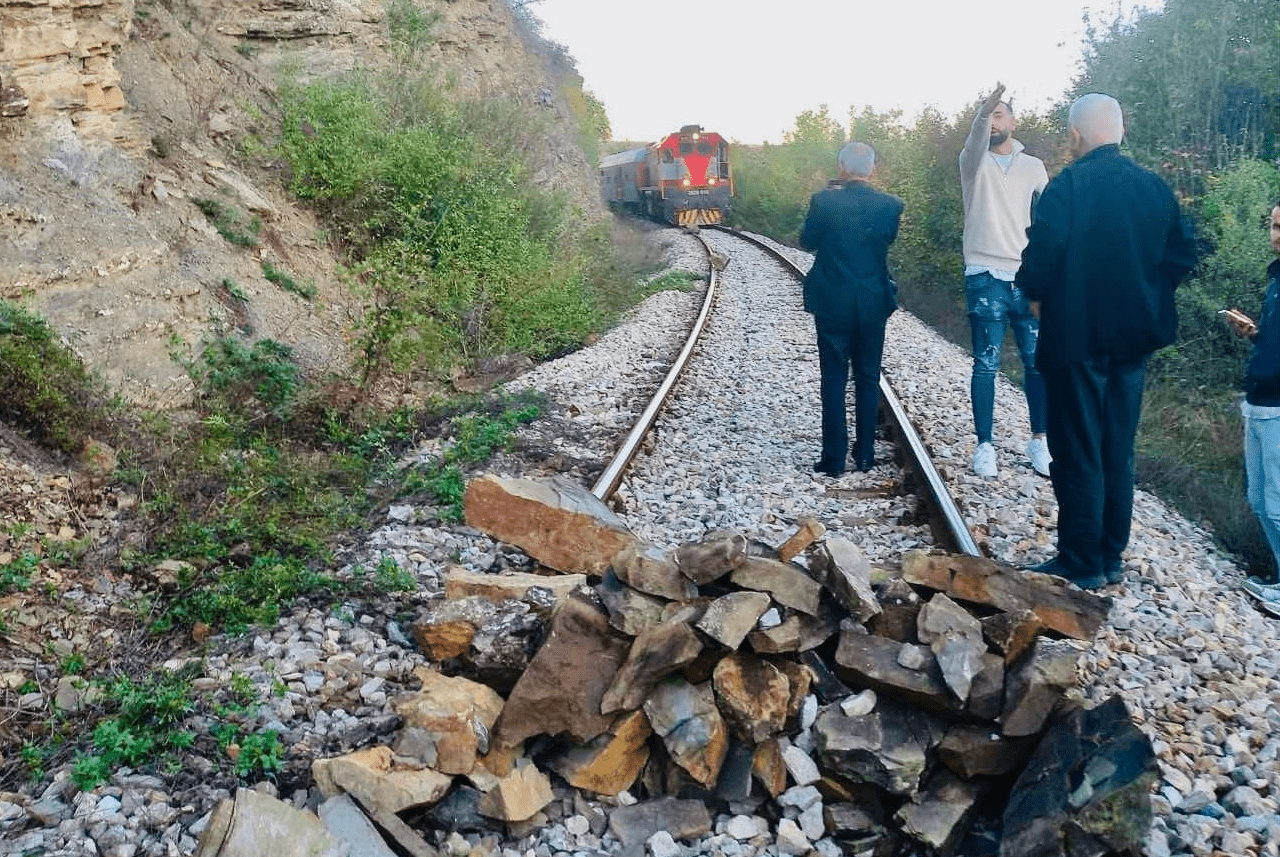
(1008, 105)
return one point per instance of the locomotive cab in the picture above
(694, 182)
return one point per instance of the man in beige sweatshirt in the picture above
(999, 184)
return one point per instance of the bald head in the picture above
(1095, 120)
(856, 161)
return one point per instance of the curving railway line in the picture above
(909, 470)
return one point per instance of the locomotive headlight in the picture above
(685, 182)
(711, 181)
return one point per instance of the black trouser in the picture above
(845, 344)
(1093, 410)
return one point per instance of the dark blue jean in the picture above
(994, 305)
(845, 345)
(1093, 411)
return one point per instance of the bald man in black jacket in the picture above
(1107, 247)
(851, 296)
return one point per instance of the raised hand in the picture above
(989, 106)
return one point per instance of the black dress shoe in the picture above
(1056, 567)
(825, 469)
(865, 465)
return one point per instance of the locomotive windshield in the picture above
(704, 148)
(686, 147)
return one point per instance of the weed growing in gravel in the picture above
(679, 280)
(260, 752)
(17, 573)
(475, 438)
(144, 729)
(33, 757)
(73, 664)
(250, 753)
(235, 598)
(388, 576)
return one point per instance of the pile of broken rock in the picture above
(926, 709)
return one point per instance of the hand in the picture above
(1035, 308)
(989, 106)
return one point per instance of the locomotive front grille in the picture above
(698, 217)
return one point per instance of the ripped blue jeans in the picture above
(994, 305)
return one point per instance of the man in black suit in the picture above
(1106, 249)
(851, 295)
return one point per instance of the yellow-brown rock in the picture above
(444, 640)
(768, 767)
(460, 583)
(753, 695)
(557, 522)
(372, 777)
(519, 795)
(449, 709)
(810, 531)
(612, 762)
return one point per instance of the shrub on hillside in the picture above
(45, 388)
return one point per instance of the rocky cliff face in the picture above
(116, 116)
(57, 59)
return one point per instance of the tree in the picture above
(1199, 81)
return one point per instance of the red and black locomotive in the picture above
(683, 179)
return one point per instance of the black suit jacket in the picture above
(850, 228)
(1106, 250)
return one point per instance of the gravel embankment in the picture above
(1185, 648)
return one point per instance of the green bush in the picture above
(1232, 229)
(44, 388)
(458, 254)
(250, 380)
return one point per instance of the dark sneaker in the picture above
(1056, 567)
(1113, 571)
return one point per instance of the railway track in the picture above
(912, 467)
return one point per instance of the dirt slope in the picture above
(118, 116)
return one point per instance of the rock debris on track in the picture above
(1194, 660)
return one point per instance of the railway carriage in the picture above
(683, 178)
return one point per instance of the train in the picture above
(683, 179)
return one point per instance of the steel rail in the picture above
(612, 475)
(946, 522)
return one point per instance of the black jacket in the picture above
(850, 228)
(1107, 247)
(1262, 377)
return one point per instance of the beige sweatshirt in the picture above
(997, 205)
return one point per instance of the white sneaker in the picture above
(984, 460)
(1038, 452)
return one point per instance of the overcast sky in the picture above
(747, 68)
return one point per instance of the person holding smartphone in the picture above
(1261, 413)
